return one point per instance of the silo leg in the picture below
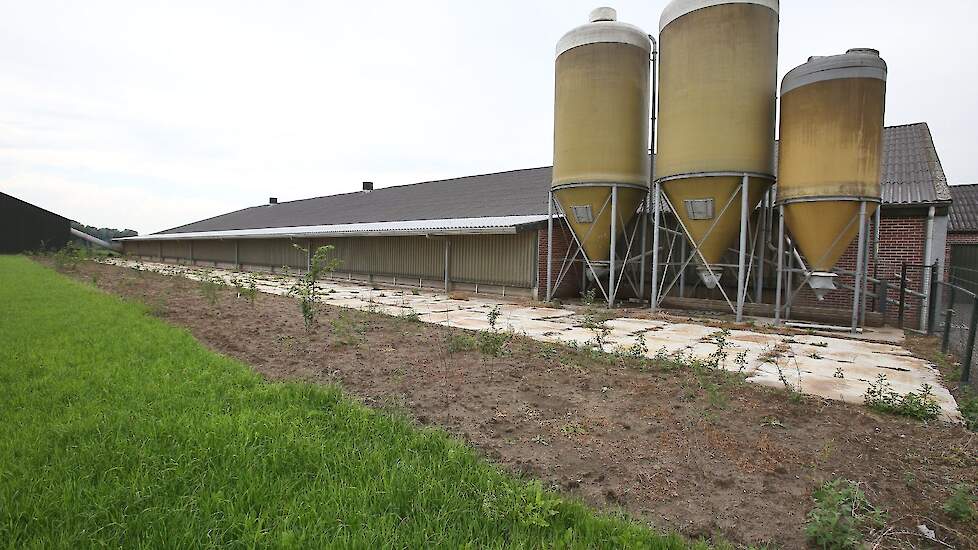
(742, 265)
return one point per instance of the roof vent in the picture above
(368, 186)
(603, 14)
(272, 200)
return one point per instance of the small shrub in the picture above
(493, 342)
(961, 504)
(460, 342)
(346, 331)
(209, 287)
(246, 289)
(921, 405)
(304, 290)
(67, 258)
(841, 516)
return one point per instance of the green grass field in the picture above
(117, 429)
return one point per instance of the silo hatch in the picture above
(699, 209)
(583, 213)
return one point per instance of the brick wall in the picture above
(901, 240)
(570, 286)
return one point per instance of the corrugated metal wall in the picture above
(508, 260)
(398, 256)
(272, 252)
(214, 251)
(505, 260)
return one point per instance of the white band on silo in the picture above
(856, 63)
(604, 31)
(679, 8)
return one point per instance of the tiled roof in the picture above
(912, 172)
(964, 209)
(912, 175)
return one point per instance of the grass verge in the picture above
(117, 429)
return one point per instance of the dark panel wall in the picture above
(25, 227)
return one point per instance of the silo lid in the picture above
(603, 26)
(855, 63)
(679, 8)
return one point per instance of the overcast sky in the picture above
(150, 115)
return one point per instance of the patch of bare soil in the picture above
(703, 454)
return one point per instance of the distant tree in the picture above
(104, 233)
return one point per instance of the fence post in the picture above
(948, 319)
(931, 299)
(903, 294)
(970, 350)
(882, 299)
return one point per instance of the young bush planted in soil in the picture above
(842, 516)
(304, 289)
(67, 258)
(961, 504)
(493, 341)
(921, 405)
(209, 286)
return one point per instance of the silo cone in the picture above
(717, 88)
(601, 127)
(830, 154)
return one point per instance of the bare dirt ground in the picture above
(698, 452)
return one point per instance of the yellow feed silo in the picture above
(717, 97)
(830, 154)
(601, 127)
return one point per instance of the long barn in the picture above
(487, 233)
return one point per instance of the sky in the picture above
(149, 115)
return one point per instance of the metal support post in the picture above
(641, 255)
(948, 320)
(903, 295)
(237, 254)
(656, 217)
(742, 263)
(780, 274)
(860, 266)
(447, 267)
(763, 230)
(682, 270)
(970, 350)
(865, 276)
(932, 299)
(550, 245)
(612, 287)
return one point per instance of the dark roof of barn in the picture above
(912, 175)
(963, 215)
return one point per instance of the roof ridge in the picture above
(419, 183)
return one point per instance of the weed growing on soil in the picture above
(347, 331)
(304, 289)
(839, 373)
(961, 504)
(457, 342)
(921, 405)
(841, 516)
(530, 507)
(636, 351)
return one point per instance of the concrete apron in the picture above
(825, 366)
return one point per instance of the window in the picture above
(583, 213)
(699, 209)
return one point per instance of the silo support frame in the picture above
(745, 266)
(609, 282)
(785, 286)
